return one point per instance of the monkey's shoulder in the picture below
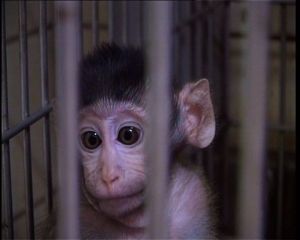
(190, 203)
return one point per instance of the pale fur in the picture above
(188, 212)
(189, 200)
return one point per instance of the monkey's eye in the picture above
(91, 140)
(129, 135)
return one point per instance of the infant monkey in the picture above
(112, 128)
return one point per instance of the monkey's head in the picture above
(113, 124)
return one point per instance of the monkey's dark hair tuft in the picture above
(112, 72)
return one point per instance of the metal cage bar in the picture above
(95, 23)
(223, 101)
(158, 43)
(134, 23)
(131, 25)
(117, 22)
(253, 123)
(26, 122)
(210, 59)
(68, 28)
(124, 22)
(282, 113)
(25, 114)
(176, 44)
(45, 101)
(5, 125)
(192, 43)
(185, 38)
(198, 42)
(179, 41)
(80, 31)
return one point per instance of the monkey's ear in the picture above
(197, 113)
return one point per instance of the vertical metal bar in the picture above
(25, 113)
(204, 33)
(158, 48)
(5, 126)
(204, 70)
(224, 98)
(198, 71)
(191, 49)
(45, 101)
(134, 23)
(210, 74)
(176, 45)
(68, 46)
(253, 123)
(180, 43)
(95, 22)
(142, 23)
(80, 31)
(110, 21)
(198, 43)
(192, 42)
(186, 48)
(117, 22)
(124, 22)
(282, 112)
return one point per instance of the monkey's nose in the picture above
(110, 178)
(111, 174)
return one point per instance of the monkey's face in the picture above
(112, 140)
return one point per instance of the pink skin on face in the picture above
(114, 172)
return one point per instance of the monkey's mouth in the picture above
(122, 205)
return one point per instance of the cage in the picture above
(239, 52)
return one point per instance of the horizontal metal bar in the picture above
(31, 32)
(34, 31)
(273, 37)
(287, 2)
(101, 26)
(201, 14)
(283, 128)
(31, 119)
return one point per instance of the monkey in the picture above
(112, 128)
